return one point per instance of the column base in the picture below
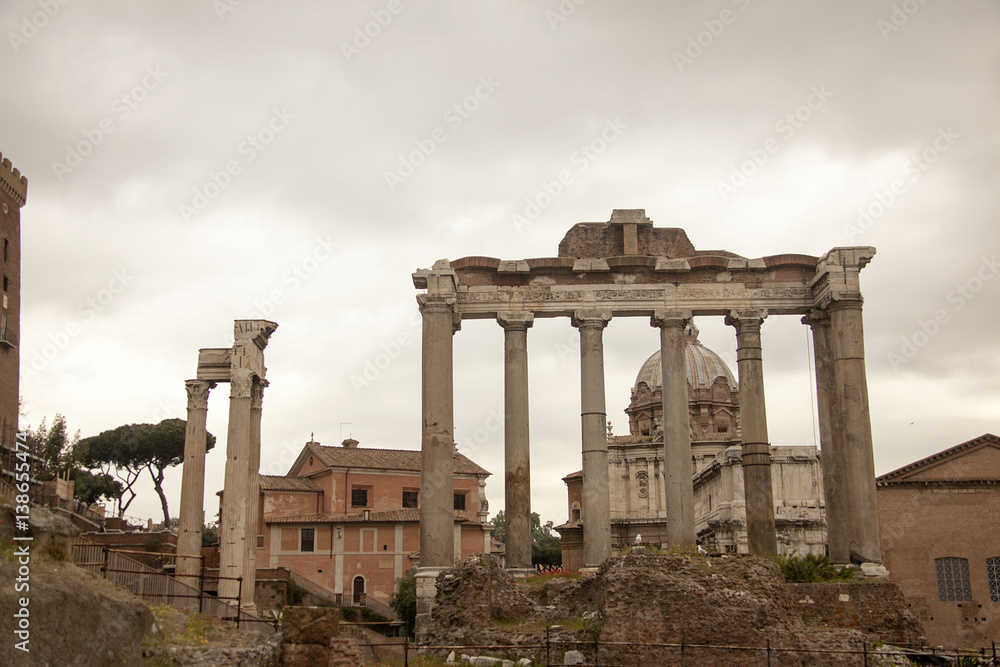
(874, 571)
(426, 583)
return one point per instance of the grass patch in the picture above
(811, 569)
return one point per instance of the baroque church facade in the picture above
(636, 474)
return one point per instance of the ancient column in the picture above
(236, 499)
(831, 440)
(756, 454)
(850, 409)
(676, 428)
(517, 469)
(437, 481)
(193, 485)
(253, 506)
(596, 493)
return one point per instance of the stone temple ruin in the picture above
(242, 366)
(626, 267)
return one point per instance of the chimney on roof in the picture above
(350, 443)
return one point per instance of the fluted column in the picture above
(831, 440)
(850, 410)
(596, 513)
(756, 454)
(437, 481)
(193, 484)
(676, 428)
(236, 498)
(517, 467)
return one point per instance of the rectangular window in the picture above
(410, 498)
(460, 502)
(359, 497)
(953, 580)
(260, 541)
(993, 574)
(307, 539)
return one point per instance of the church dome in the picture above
(703, 366)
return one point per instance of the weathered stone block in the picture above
(344, 652)
(310, 625)
(306, 655)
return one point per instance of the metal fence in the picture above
(153, 585)
(620, 654)
(339, 600)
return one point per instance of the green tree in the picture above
(404, 599)
(131, 448)
(546, 549)
(90, 487)
(499, 527)
(53, 445)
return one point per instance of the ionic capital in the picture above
(515, 320)
(197, 393)
(586, 319)
(746, 320)
(433, 303)
(816, 317)
(241, 383)
(662, 319)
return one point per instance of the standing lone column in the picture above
(253, 506)
(193, 484)
(517, 466)
(437, 481)
(676, 428)
(596, 493)
(235, 528)
(756, 457)
(831, 441)
(850, 410)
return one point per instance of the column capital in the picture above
(515, 320)
(590, 318)
(436, 303)
(751, 318)
(670, 318)
(816, 317)
(257, 393)
(844, 301)
(241, 382)
(197, 393)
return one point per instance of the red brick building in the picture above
(347, 518)
(939, 521)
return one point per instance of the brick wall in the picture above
(872, 607)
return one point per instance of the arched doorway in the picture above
(359, 589)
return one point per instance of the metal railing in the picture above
(339, 600)
(153, 585)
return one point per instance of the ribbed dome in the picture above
(703, 365)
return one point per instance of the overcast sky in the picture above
(191, 163)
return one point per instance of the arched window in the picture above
(359, 589)
(953, 579)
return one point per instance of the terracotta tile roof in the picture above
(392, 459)
(573, 475)
(386, 516)
(281, 483)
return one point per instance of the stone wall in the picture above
(877, 608)
(310, 639)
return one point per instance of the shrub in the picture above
(811, 569)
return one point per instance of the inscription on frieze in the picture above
(629, 295)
